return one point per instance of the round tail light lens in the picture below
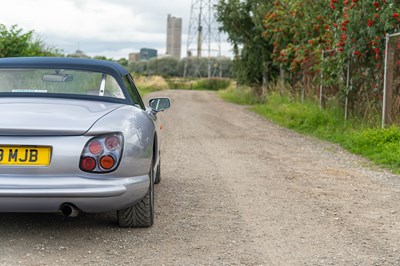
(112, 143)
(95, 147)
(107, 162)
(88, 164)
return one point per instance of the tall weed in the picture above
(239, 95)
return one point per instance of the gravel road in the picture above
(235, 190)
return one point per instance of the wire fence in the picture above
(363, 90)
(310, 83)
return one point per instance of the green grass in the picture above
(146, 90)
(238, 95)
(381, 146)
(213, 84)
(147, 84)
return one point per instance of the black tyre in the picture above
(142, 213)
(157, 180)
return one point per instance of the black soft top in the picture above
(103, 66)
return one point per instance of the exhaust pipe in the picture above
(69, 210)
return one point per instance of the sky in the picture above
(112, 28)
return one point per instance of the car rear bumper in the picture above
(48, 194)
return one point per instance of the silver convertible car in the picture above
(76, 136)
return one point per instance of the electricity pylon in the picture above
(204, 38)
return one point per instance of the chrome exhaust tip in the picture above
(69, 210)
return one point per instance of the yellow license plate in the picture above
(25, 155)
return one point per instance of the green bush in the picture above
(14, 42)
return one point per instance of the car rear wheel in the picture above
(142, 213)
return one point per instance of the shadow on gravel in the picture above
(50, 222)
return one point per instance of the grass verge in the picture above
(149, 84)
(381, 146)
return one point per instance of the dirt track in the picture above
(236, 189)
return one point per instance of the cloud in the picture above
(97, 26)
(93, 19)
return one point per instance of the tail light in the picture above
(102, 154)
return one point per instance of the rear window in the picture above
(59, 81)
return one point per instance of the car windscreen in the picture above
(59, 81)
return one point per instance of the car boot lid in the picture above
(48, 117)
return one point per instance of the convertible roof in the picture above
(64, 63)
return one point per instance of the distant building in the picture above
(147, 53)
(174, 36)
(133, 57)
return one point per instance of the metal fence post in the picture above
(346, 103)
(281, 79)
(384, 105)
(321, 86)
(303, 90)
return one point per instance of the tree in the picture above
(298, 31)
(172, 67)
(166, 66)
(139, 67)
(353, 30)
(123, 62)
(195, 67)
(242, 21)
(15, 43)
(102, 57)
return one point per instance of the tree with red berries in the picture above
(294, 33)
(355, 30)
(360, 38)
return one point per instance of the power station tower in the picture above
(174, 36)
(204, 40)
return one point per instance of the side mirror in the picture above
(160, 104)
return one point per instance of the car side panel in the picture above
(138, 129)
